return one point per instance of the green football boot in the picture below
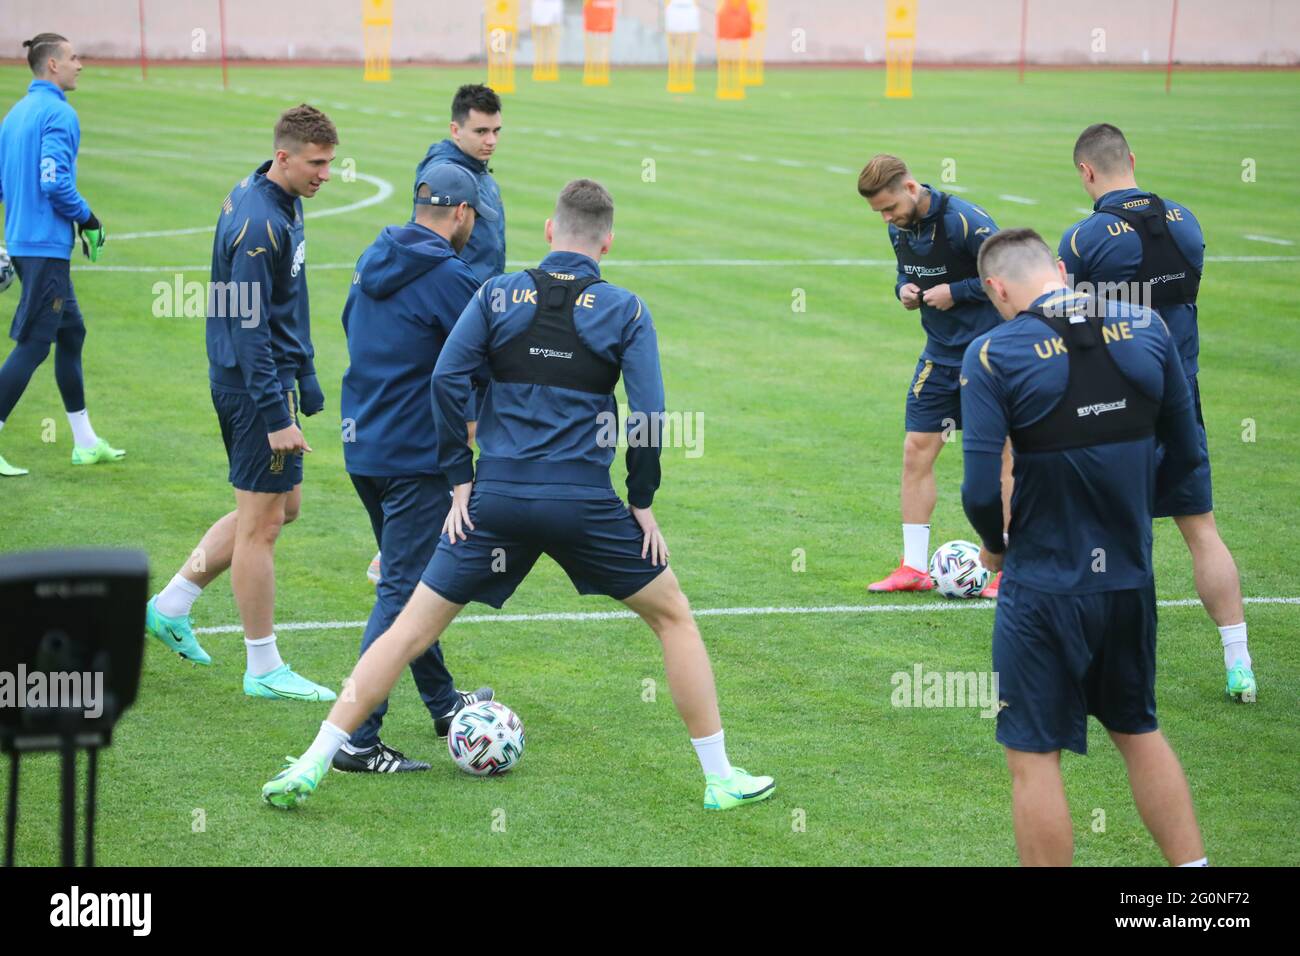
(9, 471)
(1241, 684)
(284, 684)
(740, 788)
(92, 456)
(175, 633)
(295, 783)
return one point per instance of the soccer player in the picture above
(558, 338)
(1136, 244)
(475, 130)
(259, 345)
(935, 238)
(1084, 388)
(39, 139)
(409, 288)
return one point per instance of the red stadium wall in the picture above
(1116, 32)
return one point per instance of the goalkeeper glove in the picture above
(91, 233)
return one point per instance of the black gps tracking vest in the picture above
(1101, 404)
(941, 264)
(1164, 269)
(549, 351)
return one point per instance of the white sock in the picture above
(2, 424)
(176, 599)
(916, 546)
(327, 742)
(82, 433)
(1234, 645)
(263, 657)
(712, 752)
(1203, 861)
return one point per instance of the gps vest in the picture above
(1100, 405)
(941, 264)
(549, 351)
(1164, 269)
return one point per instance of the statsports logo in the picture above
(550, 353)
(1102, 407)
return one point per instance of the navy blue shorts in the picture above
(47, 302)
(934, 398)
(1194, 494)
(253, 466)
(597, 543)
(1061, 657)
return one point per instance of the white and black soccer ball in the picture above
(956, 570)
(486, 738)
(7, 273)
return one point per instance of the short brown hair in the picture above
(585, 210)
(882, 172)
(40, 48)
(1103, 147)
(302, 125)
(1014, 254)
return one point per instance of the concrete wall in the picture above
(1252, 32)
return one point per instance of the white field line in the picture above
(1270, 239)
(384, 186)
(643, 263)
(1021, 200)
(975, 605)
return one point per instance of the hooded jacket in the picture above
(408, 289)
(486, 250)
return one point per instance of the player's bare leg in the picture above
(1044, 836)
(168, 614)
(918, 494)
(1213, 568)
(663, 606)
(1219, 586)
(213, 555)
(421, 623)
(1163, 798)
(259, 516)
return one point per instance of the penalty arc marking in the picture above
(384, 187)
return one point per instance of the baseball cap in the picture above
(451, 185)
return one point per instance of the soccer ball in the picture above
(956, 570)
(6, 270)
(486, 738)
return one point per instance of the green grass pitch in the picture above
(802, 442)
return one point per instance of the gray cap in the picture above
(451, 185)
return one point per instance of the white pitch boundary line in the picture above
(384, 186)
(648, 263)
(1270, 239)
(978, 605)
(1021, 200)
